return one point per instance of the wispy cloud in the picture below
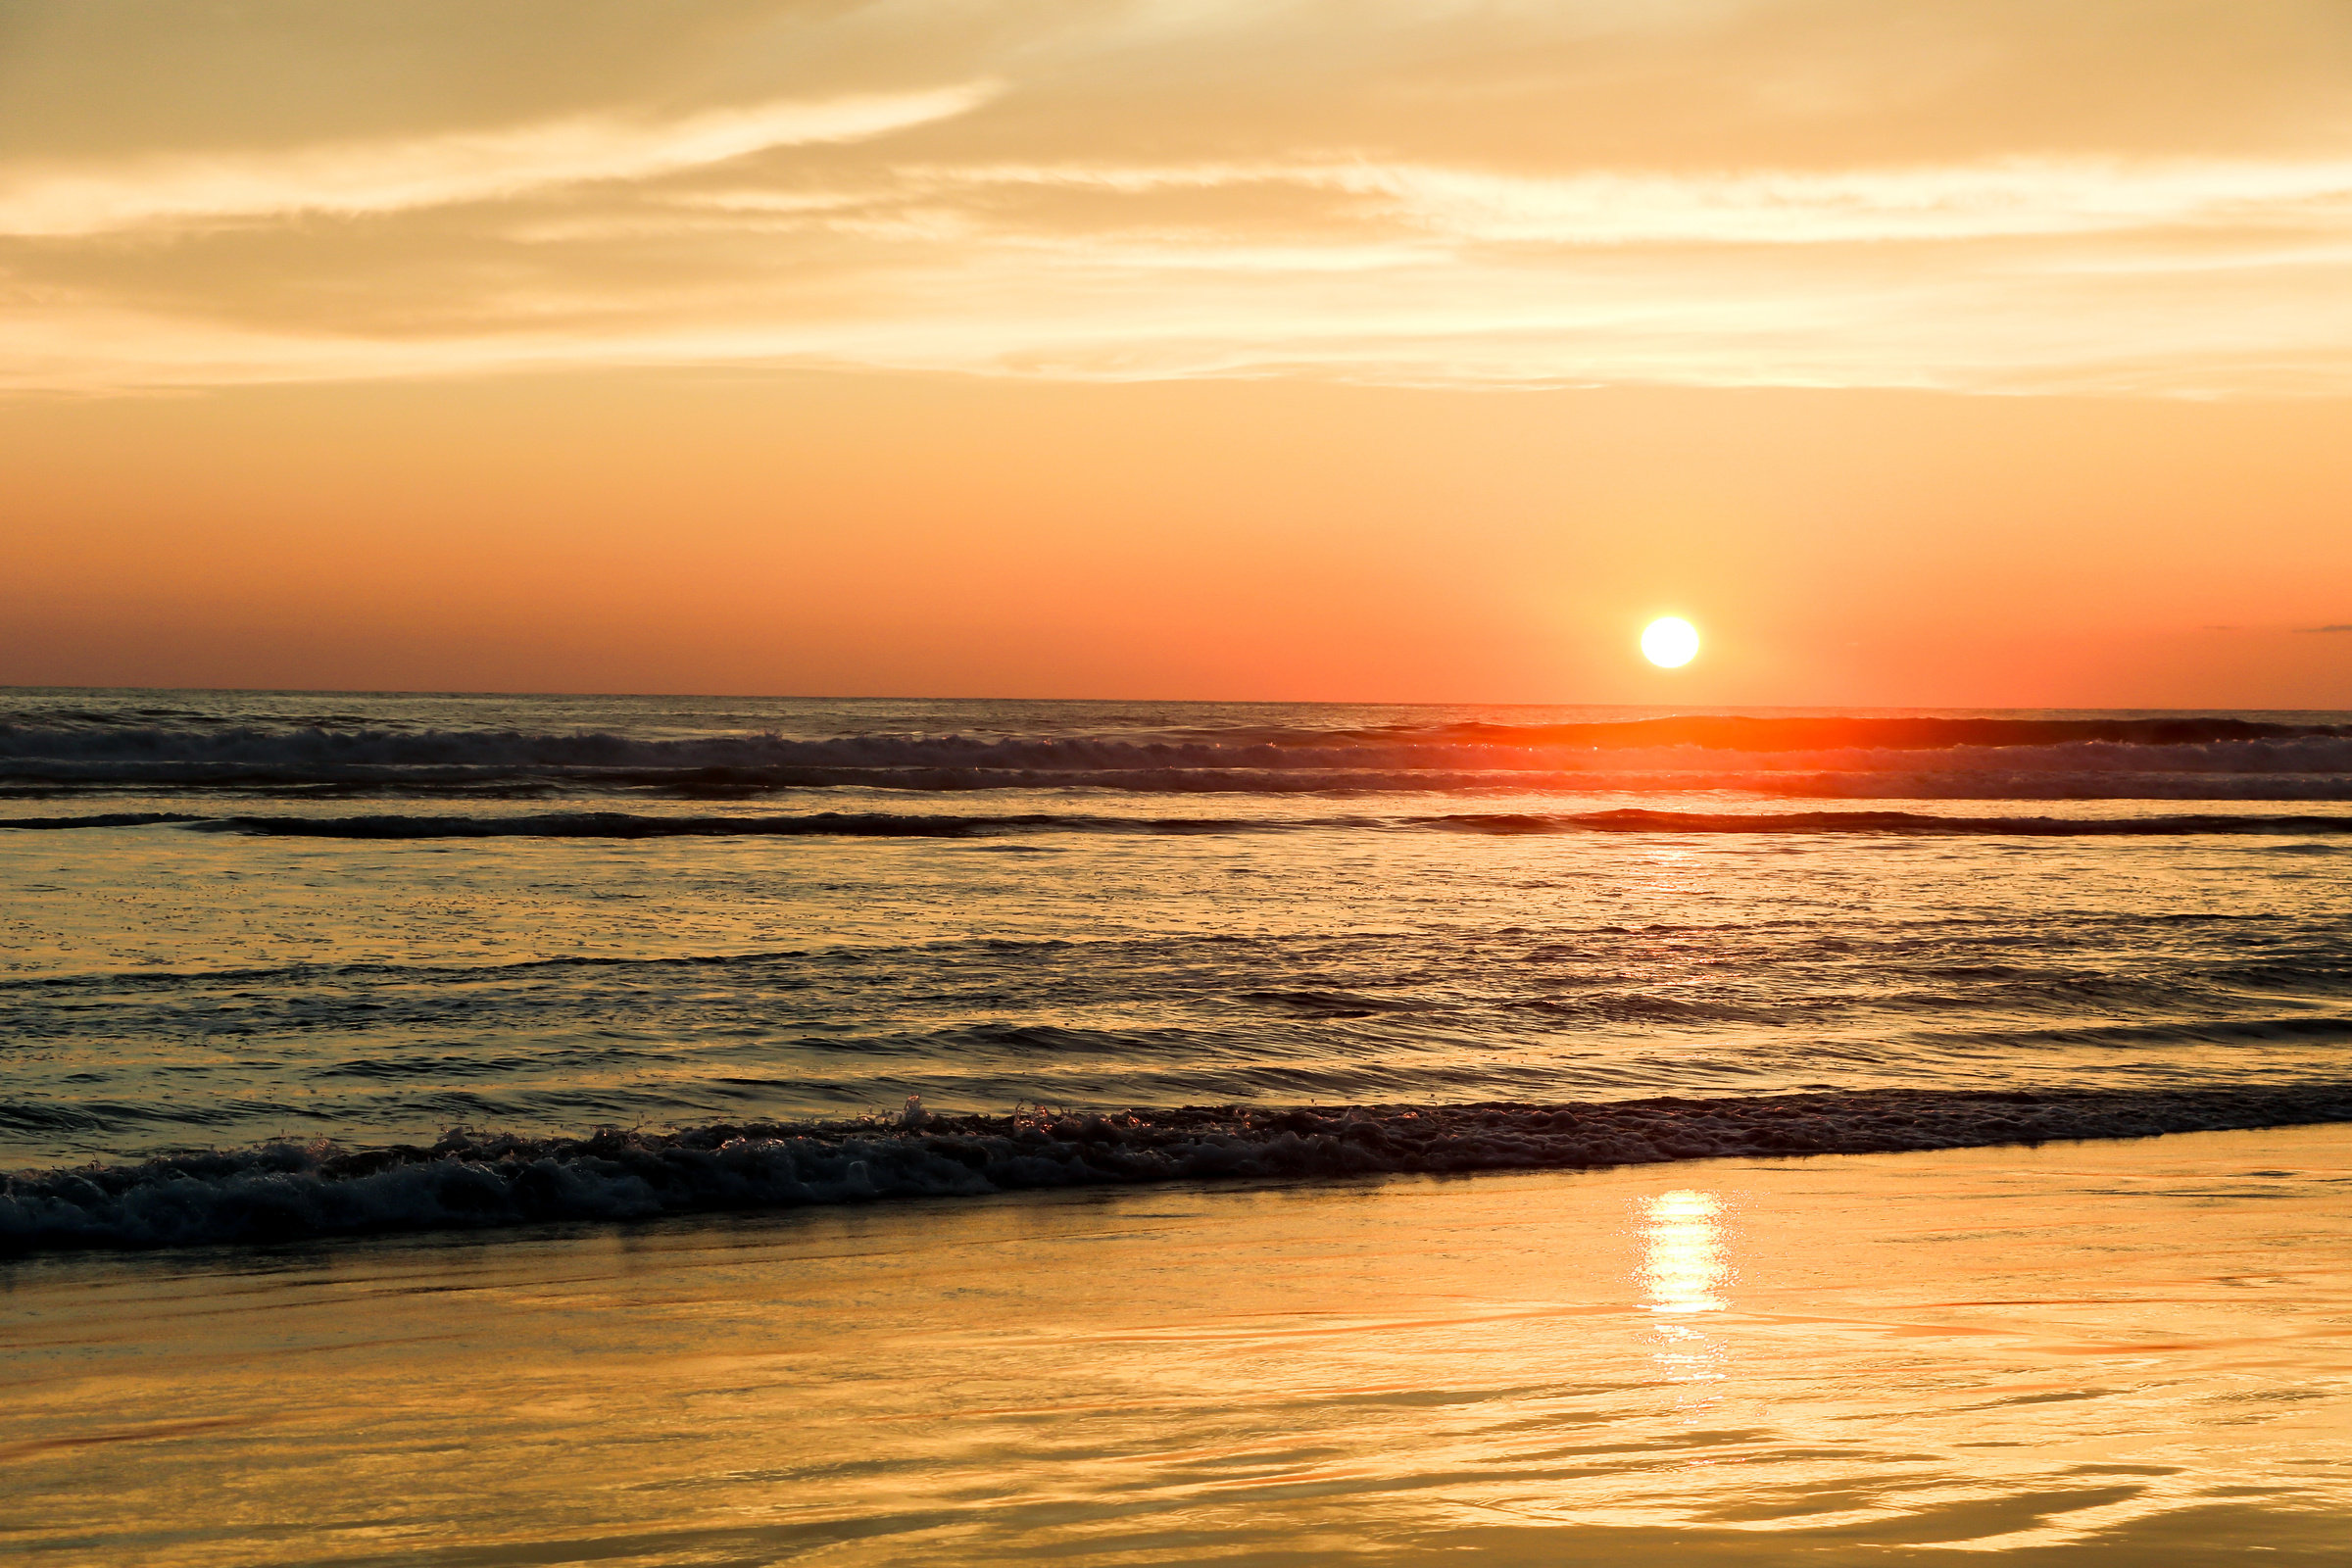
(2346, 626)
(385, 177)
(1713, 193)
(1998, 199)
(2008, 198)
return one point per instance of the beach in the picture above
(2125, 1350)
(1125, 786)
(510, 1130)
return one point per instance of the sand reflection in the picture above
(1813, 1366)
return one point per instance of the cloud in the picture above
(2346, 626)
(386, 177)
(2002, 198)
(1889, 193)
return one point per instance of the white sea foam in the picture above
(2218, 758)
(472, 1180)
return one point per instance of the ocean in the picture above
(285, 964)
(483, 1130)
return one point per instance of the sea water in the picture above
(285, 964)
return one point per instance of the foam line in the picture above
(2067, 756)
(474, 1180)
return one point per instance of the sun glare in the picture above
(1670, 642)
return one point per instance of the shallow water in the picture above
(2126, 1352)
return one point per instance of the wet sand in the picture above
(2126, 1352)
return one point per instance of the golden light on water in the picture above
(1684, 1252)
(1670, 642)
(1686, 1265)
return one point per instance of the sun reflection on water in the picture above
(1685, 1265)
(1683, 1259)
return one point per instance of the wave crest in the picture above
(1401, 756)
(478, 1179)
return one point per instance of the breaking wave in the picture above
(1861, 758)
(283, 1191)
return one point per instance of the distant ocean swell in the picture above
(286, 1190)
(1863, 758)
(942, 825)
(353, 740)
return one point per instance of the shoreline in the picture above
(2109, 1351)
(474, 1181)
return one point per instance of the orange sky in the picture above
(1966, 353)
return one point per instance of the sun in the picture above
(1670, 642)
